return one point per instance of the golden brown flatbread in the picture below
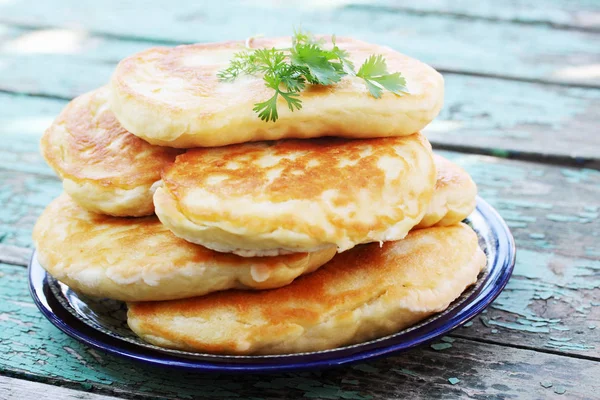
(363, 293)
(272, 198)
(454, 196)
(137, 259)
(104, 168)
(173, 97)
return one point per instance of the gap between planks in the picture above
(462, 16)
(524, 347)
(540, 158)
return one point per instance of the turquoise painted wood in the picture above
(30, 347)
(17, 389)
(472, 46)
(23, 197)
(23, 119)
(569, 14)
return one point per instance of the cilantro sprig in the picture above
(288, 71)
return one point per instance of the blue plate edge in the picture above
(485, 296)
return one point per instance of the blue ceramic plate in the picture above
(102, 324)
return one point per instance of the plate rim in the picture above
(498, 277)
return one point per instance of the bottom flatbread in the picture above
(361, 294)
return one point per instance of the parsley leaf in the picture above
(287, 71)
(321, 70)
(267, 110)
(342, 56)
(301, 37)
(268, 60)
(374, 72)
(241, 63)
(293, 78)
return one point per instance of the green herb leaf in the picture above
(373, 66)
(342, 56)
(268, 60)
(293, 80)
(267, 110)
(301, 37)
(321, 70)
(374, 72)
(287, 71)
(241, 63)
(292, 100)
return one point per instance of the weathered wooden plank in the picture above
(516, 117)
(472, 46)
(553, 212)
(14, 255)
(568, 14)
(65, 42)
(30, 346)
(23, 198)
(552, 300)
(18, 389)
(479, 113)
(23, 119)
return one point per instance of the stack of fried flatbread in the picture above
(228, 234)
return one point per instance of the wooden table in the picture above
(521, 115)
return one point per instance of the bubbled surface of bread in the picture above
(270, 198)
(138, 259)
(104, 168)
(454, 197)
(172, 97)
(364, 293)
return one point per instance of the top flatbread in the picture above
(172, 97)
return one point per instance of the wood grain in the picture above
(23, 198)
(18, 389)
(467, 46)
(30, 346)
(14, 255)
(562, 14)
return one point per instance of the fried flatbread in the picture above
(138, 259)
(104, 168)
(362, 294)
(173, 97)
(272, 198)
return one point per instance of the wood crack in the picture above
(525, 347)
(471, 17)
